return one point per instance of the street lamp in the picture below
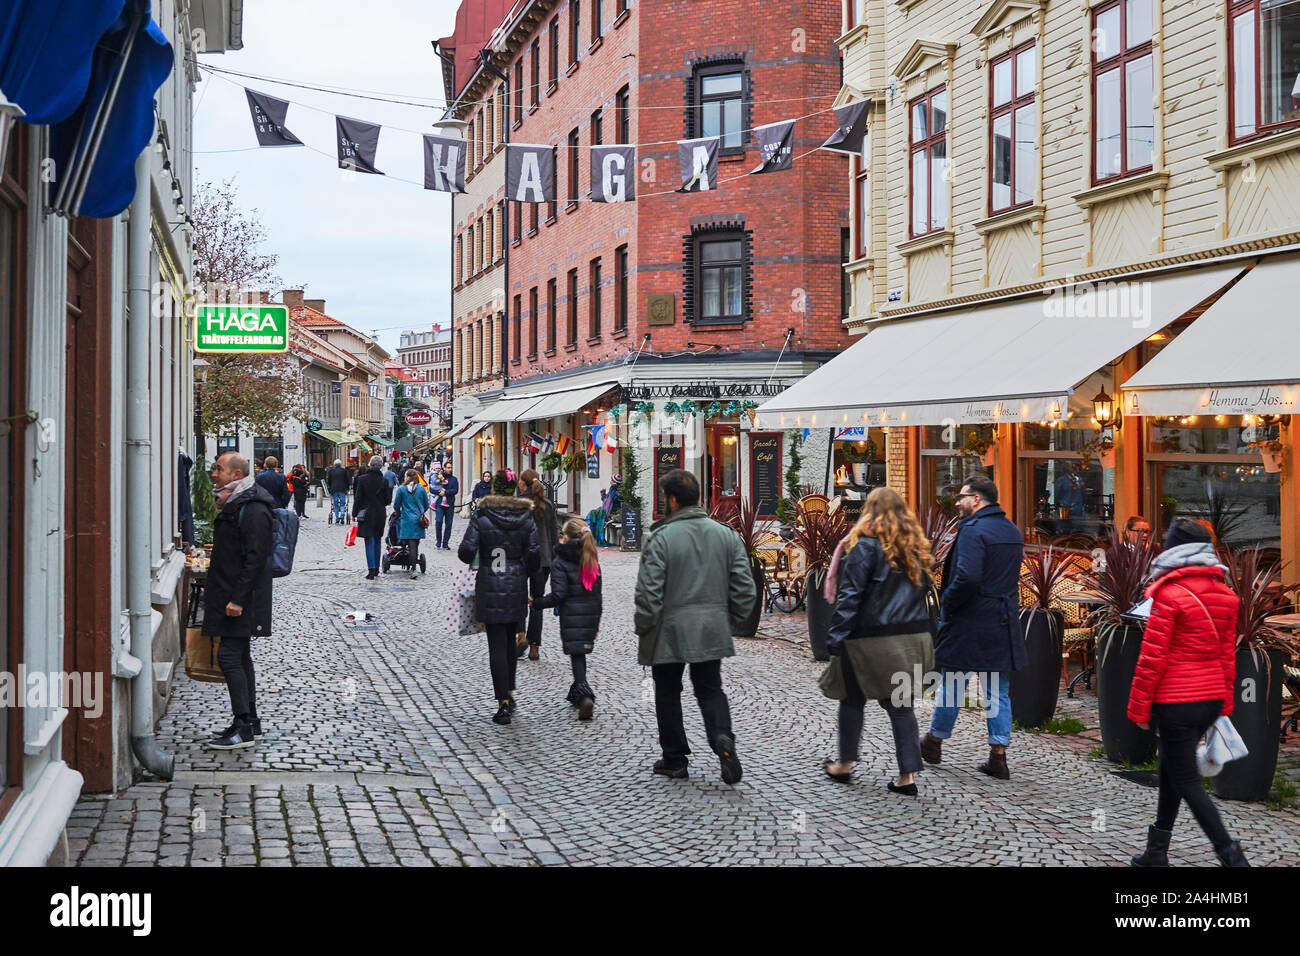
(1104, 411)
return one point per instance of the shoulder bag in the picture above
(1222, 743)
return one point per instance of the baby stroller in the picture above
(395, 552)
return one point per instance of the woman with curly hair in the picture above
(880, 630)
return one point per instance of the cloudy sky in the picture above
(374, 248)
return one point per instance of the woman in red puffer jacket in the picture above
(1184, 680)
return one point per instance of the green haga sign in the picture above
(241, 328)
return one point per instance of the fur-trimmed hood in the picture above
(509, 503)
(505, 512)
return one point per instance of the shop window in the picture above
(1013, 130)
(1123, 115)
(929, 161)
(858, 460)
(1264, 51)
(227, 443)
(1208, 468)
(1066, 480)
(944, 468)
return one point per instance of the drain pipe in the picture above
(138, 501)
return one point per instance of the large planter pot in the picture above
(819, 616)
(750, 627)
(1259, 721)
(1118, 647)
(1034, 688)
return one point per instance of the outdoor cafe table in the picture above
(1082, 596)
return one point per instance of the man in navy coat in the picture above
(979, 622)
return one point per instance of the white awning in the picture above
(506, 409)
(1242, 357)
(1014, 361)
(567, 402)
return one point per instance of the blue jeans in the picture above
(373, 552)
(442, 525)
(340, 506)
(997, 704)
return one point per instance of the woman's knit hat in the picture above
(1186, 531)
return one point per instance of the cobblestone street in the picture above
(380, 750)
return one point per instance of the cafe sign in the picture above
(1214, 400)
(230, 327)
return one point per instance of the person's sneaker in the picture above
(673, 773)
(256, 724)
(586, 707)
(502, 716)
(931, 749)
(725, 748)
(225, 733)
(240, 737)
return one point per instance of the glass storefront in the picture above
(1065, 488)
(858, 462)
(944, 466)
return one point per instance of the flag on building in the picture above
(562, 445)
(548, 445)
(595, 438)
(534, 443)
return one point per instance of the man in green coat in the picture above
(693, 591)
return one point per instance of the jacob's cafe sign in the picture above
(241, 328)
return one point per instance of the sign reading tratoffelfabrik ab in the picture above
(241, 328)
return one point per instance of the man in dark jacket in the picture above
(237, 594)
(445, 488)
(693, 591)
(273, 481)
(337, 483)
(979, 622)
(370, 509)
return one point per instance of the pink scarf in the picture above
(833, 575)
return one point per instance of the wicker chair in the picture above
(814, 503)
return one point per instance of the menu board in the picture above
(666, 458)
(765, 472)
(631, 529)
(593, 465)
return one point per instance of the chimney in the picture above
(317, 304)
(292, 297)
(263, 297)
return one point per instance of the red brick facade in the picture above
(791, 220)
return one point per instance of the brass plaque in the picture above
(661, 308)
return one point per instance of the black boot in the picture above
(1231, 855)
(1157, 851)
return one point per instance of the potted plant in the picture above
(858, 456)
(1034, 688)
(1262, 650)
(746, 523)
(817, 533)
(980, 445)
(1102, 447)
(1271, 451)
(575, 461)
(1119, 584)
(940, 526)
(551, 462)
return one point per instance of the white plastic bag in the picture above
(1222, 745)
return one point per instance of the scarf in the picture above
(226, 492)
(1191, 555)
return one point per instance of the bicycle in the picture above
(786, 593)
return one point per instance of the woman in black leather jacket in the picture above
(880, 630)
(503, 537)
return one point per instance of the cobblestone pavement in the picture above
(379, 750)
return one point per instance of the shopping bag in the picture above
(462, 581)
(832, 680)
(1222, 745)
(201, 657)
(350, 537)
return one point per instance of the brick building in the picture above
(673, 298)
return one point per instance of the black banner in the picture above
(775, 146)
(268, 120)
(765, 472)
(444, 164)
(336, 388)
(613, 173)
(354, 391)
(357, 143)
(530, 173)
(699, 161)
(666, 458)
(852, 118)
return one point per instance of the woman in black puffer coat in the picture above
(575, 590)
(503, 537)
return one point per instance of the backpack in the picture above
(286, 541)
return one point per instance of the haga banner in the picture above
(852, 120)
(699, 162)
(268, 120)
(444, 164)
(775, 146)
(357, 143)
(613, 173)
(530, 173)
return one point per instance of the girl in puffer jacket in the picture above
(575, 591)
(1185, 679)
